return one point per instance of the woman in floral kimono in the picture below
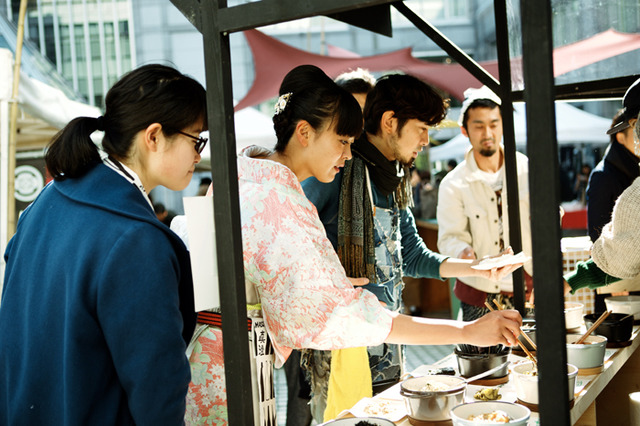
(294, 278)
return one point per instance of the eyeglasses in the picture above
(199, 141)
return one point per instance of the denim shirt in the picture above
(405, 254)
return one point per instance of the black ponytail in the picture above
(71, 152)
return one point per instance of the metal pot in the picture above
(432, 405)
(590, 354)
(472, 364)
(616, 327)
(528, 328)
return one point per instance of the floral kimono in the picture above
(293, 273)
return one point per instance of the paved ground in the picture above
(416, 356)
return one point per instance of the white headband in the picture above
(471, 95)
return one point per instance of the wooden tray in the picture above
(590, 371)
(491, 382)
(415, 422)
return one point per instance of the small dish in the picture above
(393, 410)
(508, 394)
(518, 414)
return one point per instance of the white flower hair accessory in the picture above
(282, 101)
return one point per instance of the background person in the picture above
(358, 82)
(367, 217)
(580, 187)
(472, 203)
(165, 216)
(203, 186)
(97, 305)
(619, 166)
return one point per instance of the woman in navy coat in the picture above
(97, 304)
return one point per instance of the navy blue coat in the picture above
(613, 174)
(97, 309)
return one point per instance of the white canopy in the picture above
(252, 128)
(43, 111)
(573, 126)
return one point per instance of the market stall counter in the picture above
(601, 395)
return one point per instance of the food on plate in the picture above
(532, 373)
(379, 408)
(497, 416)
(364, 423)
(434, 386)
(488, 394)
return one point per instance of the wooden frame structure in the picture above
(215, 21)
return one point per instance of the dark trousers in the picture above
(298, 411)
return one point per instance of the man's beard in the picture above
(396, 153)
(409, 163)
(403, 161)
(487, 152)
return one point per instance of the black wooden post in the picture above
(542, 149)
(510, 165)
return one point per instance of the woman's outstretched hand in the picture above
(497, 274)
(497, 327)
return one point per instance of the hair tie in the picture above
(100, 123)
(281, 103)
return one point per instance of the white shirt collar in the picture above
(127, 173)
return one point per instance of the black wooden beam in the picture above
(266, 12)
(374, 18)
(448, 46)
(589, 90)
(510, 164)
(226, 206)
(372, 15)
(596, 89)
(542, 149)
(191, 10)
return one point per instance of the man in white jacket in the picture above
(472, 204)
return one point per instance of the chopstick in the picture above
(527, 338)
(592, 328)
(524, 348)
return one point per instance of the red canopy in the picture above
(273, 59)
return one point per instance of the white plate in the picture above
(390, 409)
(508, 395)
(500, 261)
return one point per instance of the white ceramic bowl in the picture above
(519, 414)
(590, 354)
(527, 385)
(624, 305)
(573, 314)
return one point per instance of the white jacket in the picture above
(468, 216)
